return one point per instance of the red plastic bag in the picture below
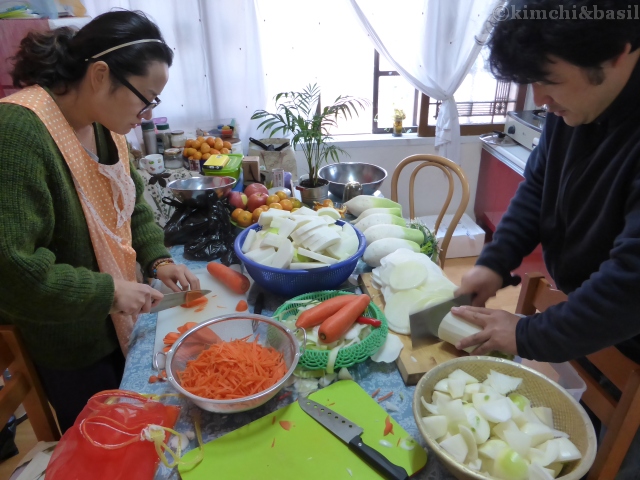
(107, 439)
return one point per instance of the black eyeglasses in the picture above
(148, 105)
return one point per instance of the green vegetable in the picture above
(359, 204)
(430, 244)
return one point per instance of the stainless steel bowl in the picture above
(192, 188)
(339, 174)
(264, 330)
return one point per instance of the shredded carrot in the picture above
(153, 379)
(385, 397)
(273, 444)
(166, 348)
(388, 426)
(377, 391)
(170, 338)
(231, 370)
(273, 420)
(242, 306)
(284, 395)
(398, 444)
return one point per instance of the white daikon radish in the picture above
(258, 240)
(379, 219)
(282, 258)
(317, 256)
(456, 387)
(435, 425)
(266, 217)
(495, 411)
(518, 441)
(468, 437)
(567, 451)
(330, 212)
(375, 252)
(452, 329)
(304, 211)
(307, 227)
(442, 386)
(479, 426)
(538, 432)
(461, 374)
(372, 211)
(267, 261)
(378, 232)
(259, 254)
(306, 266)
(502, 383)
(248, 240)
(359, 204)
(492, 448)
(322, 239)
(545, 414)
(455, 446)
(510, 465)
(345, 248)
(272, 240)
(390, 350)
(284, 225)
(407, 275)
(398, 309)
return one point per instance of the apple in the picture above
(238, 200)
(255, 188)
(256, 200)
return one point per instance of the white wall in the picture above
(431, 184)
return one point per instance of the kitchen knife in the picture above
(349, 433)
(259, 305)
(425, 323)
(174, 299)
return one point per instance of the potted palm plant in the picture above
(301, 115)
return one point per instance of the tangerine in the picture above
(211, 141)
(226, 144)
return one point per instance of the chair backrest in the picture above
(622, 418)
(446, 166)
(24, 387)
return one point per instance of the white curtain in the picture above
(432, 44)
(217, 69)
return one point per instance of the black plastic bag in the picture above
(204, 227)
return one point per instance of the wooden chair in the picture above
(622, 418)
(24, 387)
(447, 166)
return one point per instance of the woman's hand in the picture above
(499, 330)
(172, 274)
(482, 283)
(133, 298)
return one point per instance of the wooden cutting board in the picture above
(412, 363)
(290, 445)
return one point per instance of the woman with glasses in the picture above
(73, 222)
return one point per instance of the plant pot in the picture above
(309, 194)
(397, 128)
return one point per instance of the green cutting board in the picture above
(264, 449)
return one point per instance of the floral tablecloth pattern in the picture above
(369, 375)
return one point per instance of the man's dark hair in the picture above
(522, 43)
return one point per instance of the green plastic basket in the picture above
(359, 352)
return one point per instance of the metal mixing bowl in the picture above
(568, 414)
(192, 188)
(339, 174)
(264, 330)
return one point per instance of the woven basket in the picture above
(359, 352)
(568, 414)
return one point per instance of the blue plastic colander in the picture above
(289, 283)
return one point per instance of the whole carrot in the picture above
(235, 281)
(318, 314)
(334, 327)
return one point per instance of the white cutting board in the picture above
(222, 301)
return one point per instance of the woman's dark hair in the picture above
(56, 59)
(580, 32)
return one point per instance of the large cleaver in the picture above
(425, 324)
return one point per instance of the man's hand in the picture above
(499, 330)
(482, 283)
(133, 298)
(172, 275)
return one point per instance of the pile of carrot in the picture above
(232, 370)
(335, 316)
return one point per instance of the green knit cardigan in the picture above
(50, 284)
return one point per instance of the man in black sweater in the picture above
(581, 195)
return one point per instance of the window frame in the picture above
(420, 120)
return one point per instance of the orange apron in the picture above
(107, 194)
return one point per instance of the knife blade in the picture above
(259, 305)
(350, 433)
(425, 323)
(174, 299)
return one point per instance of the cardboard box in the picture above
(251, 169)
(467, 239)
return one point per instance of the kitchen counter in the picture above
(369, 375)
